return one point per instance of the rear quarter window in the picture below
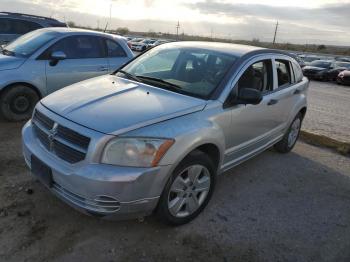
(114, 49)
(298, 73)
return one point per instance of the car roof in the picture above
(45, 21)
(324, 61)
(72, 31)
(232, 49)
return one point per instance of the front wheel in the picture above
(18, 102)
(290, 138)
(188, 191)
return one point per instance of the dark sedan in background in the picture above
(317, 69)
(335, 70)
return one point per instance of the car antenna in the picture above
(104, 31)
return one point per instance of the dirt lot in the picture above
(292, 207)
(328, 111)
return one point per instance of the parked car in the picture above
(298, 59)
(155, 135)
(317, 69)
(43, 61)
(344, 78)
(335, 69)
(13, 25)
(158, 42)
(343, 59)
(142, 45)
(309, 58)
(134, 40)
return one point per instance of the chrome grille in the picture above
(43, 120)
(61, 141)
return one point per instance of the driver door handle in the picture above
(272, 102)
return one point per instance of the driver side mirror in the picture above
(249, 96)
(56, 57)
(246, 96)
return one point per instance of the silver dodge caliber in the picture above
(154, 135)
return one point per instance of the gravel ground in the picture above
(275, 207)
(329, 110)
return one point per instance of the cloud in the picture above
(149, 3)
(334, 15)
(327, 24)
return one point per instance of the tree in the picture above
(321, 47)
(71, 24)
(123, 30)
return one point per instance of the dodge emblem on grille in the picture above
(52, 134)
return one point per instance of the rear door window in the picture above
(284, 74)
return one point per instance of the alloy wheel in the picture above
(294, 132)
(189, 191)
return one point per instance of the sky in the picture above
(300, 21)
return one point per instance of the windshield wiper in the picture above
(161, 81)
(8, 52)
(131, 76)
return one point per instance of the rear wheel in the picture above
(17, 103)
(290, 138)
(188, 191)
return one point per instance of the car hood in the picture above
(114, 105)
(10, 62)
(314, 68)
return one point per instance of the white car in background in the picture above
(143, 45)
(158, 42)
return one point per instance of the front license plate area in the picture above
(41, 171)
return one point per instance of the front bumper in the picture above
(93, 188)
(343, 81)
(315, 76)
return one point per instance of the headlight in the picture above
(135, 152)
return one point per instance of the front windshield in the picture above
(322, 64)
(192, 71)
(27, 44)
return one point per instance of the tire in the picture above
(288, 142)
(184, 198)
(17, 103)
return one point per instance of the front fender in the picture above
(29, 73)
(189, 131)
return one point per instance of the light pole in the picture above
(274, 38)
(177, 30)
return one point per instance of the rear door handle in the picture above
(296, 92)
(272, 102)
(103, 68)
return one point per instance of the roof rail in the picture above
(29, 15)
